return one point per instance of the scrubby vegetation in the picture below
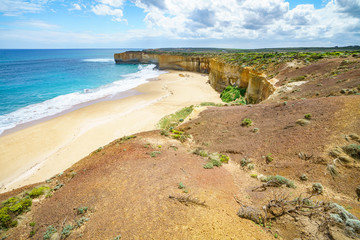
(168, 122)
(276, 181)
(214, 159)
(230, 94)
(352, 150)
(36, 192)
(246, 122)
(11, 209)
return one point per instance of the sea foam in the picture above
(99, 60)
(68, 101)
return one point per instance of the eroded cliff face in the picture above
(221, 74)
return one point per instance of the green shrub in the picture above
(200, 152)
(67, 230)
(307, 116)
(181, 185)
(170, 121)
(82, 210)
(5, 219)
(216, 163)
(352, 150)
(246, 122)
(224, 158)
(36, 192)
(303, 177)
(269, 158)
(155, 153)
(231, 93)
(317, 188)
(206, 104)
(49, 232)
(254, 175)
(281, 180)
(21, 206)
(251, 166)
(117, 237)
(81, 221)
(208, 165)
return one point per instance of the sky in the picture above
(28, 24)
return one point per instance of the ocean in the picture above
(35, 84)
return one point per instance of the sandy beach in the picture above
(40, 151)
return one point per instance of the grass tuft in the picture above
(168, 122)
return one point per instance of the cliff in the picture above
(221, 74)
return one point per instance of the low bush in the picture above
(36, 192)
(307, 116)
(170, 121)
(280, 180)
(231, 93)
(49, 232)
(208, 165)
(224, 158)
(352, 150)
(317, 188)
(246, 122)
(269, 158)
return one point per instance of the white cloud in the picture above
(105, 10)
(75, 7)
(18, 7)
(113, 3)
(250, 19)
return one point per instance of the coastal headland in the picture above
(279, 158)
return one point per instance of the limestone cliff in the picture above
(221, 74)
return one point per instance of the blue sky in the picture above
(174, 23)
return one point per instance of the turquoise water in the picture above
(39, 83)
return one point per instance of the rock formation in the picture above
(221, 74)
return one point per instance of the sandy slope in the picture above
(38, 152)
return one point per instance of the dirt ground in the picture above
(131, 188)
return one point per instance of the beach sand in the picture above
(40, 151)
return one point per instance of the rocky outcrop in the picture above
(165, 61)
(221, 74)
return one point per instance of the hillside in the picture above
(162, 185)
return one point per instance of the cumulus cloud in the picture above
(351, 7)
(160, 4)
(250, 19)
(105, 10)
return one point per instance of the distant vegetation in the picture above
(264, 56)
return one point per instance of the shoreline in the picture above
(49, 146)
(124, 94)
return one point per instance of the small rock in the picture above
(255, 130)
(55, 236)
(302, 122)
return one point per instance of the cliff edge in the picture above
(221, 73)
